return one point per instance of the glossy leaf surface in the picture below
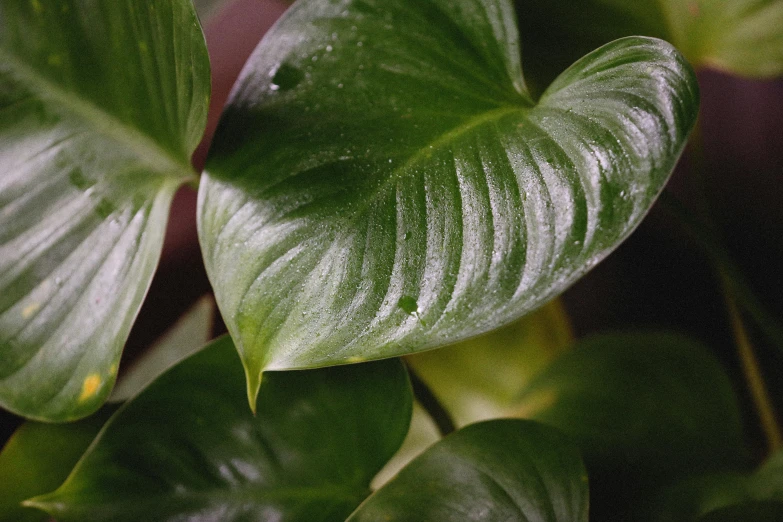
(482, 378)
(502, 470)
(101, 105)
(38, 457)
(189, 448)
(645, 409)
(382, 183)
(736, 36)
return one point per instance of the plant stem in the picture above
(431, 404)
(737, 291)
(731, 275)
(752, 371)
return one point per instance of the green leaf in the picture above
(750, 512)
(422, 433)
(482, 378)
(645, 409)
(725, 493)
(190, 334)
(38, 457)
(381, 182)
(101, 104)
(186, 448)
(736, 36)
(502, 470)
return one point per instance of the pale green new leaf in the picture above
(381, 182)
(101, 104)
(482, 378)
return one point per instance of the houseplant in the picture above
(381, 183)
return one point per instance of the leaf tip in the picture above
(44, 503)
(253, 387)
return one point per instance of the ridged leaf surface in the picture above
(382, 183)
(101, 105)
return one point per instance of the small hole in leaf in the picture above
(287, 77)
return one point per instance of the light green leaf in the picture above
(188, 448)
(741, 37)
(645, 408)
(101, 105)
(189, 335)
(382, 183)
(482, 378)
(502, 470)
(38, 457)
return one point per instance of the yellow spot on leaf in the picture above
(354, 359)
(143, 47)
(113, 369)
(90, 386)
(29, 310)
(55, 59)
(37, 7)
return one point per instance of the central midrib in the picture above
(143, 146)
(442, 140)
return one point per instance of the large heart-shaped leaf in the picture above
(645, 408)
(737, 36)
(502, 470)
(102, 104)
(381, 182)
(188, 448)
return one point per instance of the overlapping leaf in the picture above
(736, 36)
(382, 183)
(715, 497)
(482, 378)
(185, 448)
(101, 105)
(645, 408)
(501, 470)
(38, 457)
(189, 448)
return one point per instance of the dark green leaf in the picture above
(101, 105)
(38, 457)
(645, 409)
(482, 378)
(382, 183)
(732, 491)
(750, 512)
(503, 470)
(188, 448)
(737, 36)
